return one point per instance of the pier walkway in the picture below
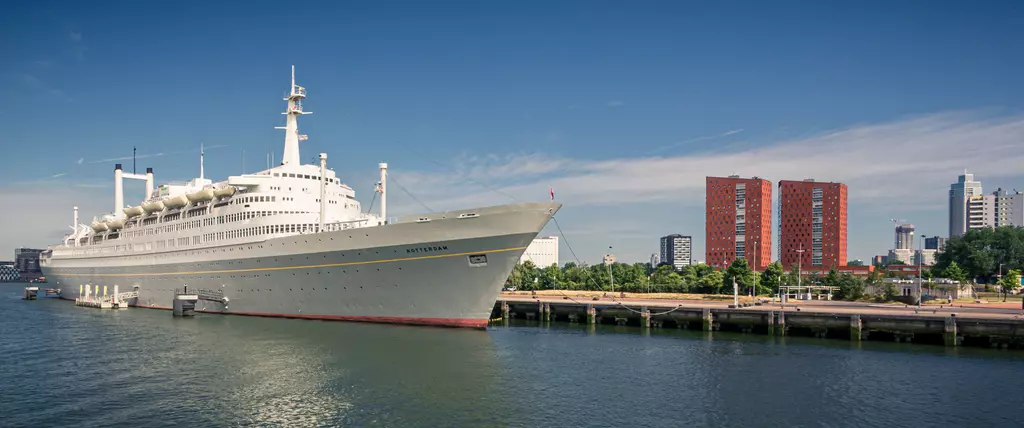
(952, 326)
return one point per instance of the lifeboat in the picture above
(114, 223)
(133, 211)
(224, 191)
(200, 195)
(176, 202)
(152, 207)
(98, 226)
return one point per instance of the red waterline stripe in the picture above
(441, 322)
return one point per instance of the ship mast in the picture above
(291, 128)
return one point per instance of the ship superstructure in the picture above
(292, 240)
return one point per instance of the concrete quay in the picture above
(949, 326)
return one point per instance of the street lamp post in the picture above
(753, 293)
(800, 271)
(611, 273)
(920, 272)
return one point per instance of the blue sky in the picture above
(623, 107)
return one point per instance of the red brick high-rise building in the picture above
(738, 221)
(812, 217)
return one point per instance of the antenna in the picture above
(133, 160)
(202, 154)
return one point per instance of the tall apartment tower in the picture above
(676, 250)
(812, 218)
(904, 237)
(1009, 208)
(960, 194)
(738, 221)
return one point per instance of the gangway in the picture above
(185, 300)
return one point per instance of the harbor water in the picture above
(62, 365)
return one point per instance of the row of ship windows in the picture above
(208, 238)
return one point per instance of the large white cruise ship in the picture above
(292, 241)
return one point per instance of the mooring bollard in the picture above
(949, 336)
(856, 328)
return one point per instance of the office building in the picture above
(903, 256)
(960, 194)
(675, 250)
(543, 252)
(812, 223)
(904, 237)
(26, 260)
(924, 257)
(935, 243)
(738, 221)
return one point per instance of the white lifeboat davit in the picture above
(98, 226)
(224, 191)
(133, 211)
(176, 202)
(152, 207)
(200, 195)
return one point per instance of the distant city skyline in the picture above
(622, 110)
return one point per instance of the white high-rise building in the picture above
(676, 250)
(1009, 208)
(543, 252)
(960, 194)
(981, 212)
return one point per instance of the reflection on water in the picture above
(84, 367)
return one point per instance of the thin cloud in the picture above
(865, 157)
(80, 160)
(75, 36)
(696, 139)
(58, 175)
(613, 104)
(36, 83)
(152, 155)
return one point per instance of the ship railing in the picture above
(299, 90)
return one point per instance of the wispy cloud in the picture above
(58, 175)
(151, 155)
(80, 160)
(613, 104)
(923, 154)
(77, 43)
(696, 139)
(42, 63)
(36, 83)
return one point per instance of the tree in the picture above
(771, 278)
(1010, 282)
(551, 278)
(850, 287)
(665, 278)
(953, 272)
(712, 281)
(740, 271)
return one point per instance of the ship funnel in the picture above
(118, 189)
(383, 191)
(149, 183)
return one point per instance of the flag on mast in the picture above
(552, 191)
(303, 137)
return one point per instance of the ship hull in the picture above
(447, 271)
